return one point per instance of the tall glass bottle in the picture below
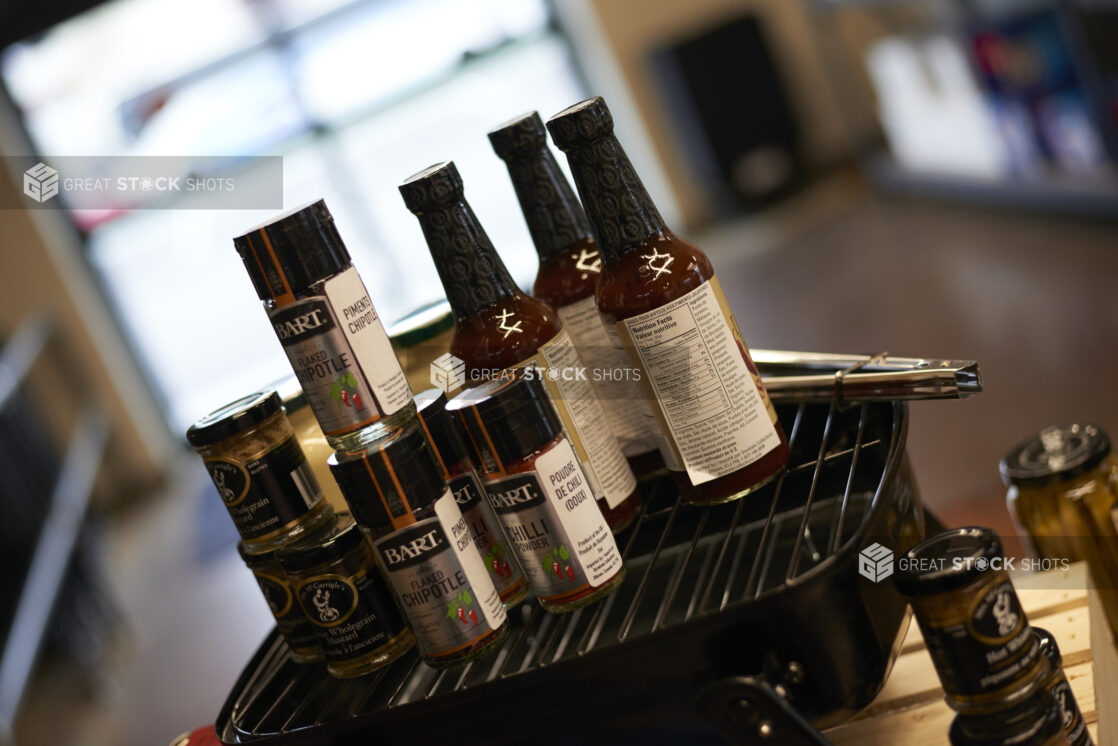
(496, 327)
(567, 278)
(659, 296)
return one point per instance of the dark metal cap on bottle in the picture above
(1055, 454)
(292, 252)
(584, 122)
(430, 408)
(342, 539)
(235, 417)
(524, 134)
(1033, 722)
(433, 187)
(506, 419)
(386, 484)
(948, 561)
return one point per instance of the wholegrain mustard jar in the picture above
(260, 472)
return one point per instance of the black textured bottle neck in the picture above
(554, 216)
(621, 213)
(473, 275)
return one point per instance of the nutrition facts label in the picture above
(718, 420)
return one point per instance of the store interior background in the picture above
(882, 192)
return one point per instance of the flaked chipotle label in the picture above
(708, 398)
(340, 353)
(550, 517)
(267, 494)
(440, 581)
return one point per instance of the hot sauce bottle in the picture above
(540, 493)
(465, 485)
(497, 327)
(661, 302)
(325, 320)
(566, 280)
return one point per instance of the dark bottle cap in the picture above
(235, 417)
(1048, 647)
(1055, 454)
(290, 253)
(553, 213)
(582, 123)
(948, 561)
(343, 537)
(430, 407)
(1033, 722)
(507, 418)
(523, 135)
(386, 484)
(436, 186)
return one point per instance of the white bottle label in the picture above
(718, 419)
(365, 333)
(567, 381)
(614, 378)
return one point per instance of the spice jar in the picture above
(1046, 474)
(458, 470)
(424, 547)
(539, 491)
(971, 619)
(337, 583)
(325, 321)
(1033, 722)
(278, 591)
(1071, 718)
(1063, 484)
(251, 453)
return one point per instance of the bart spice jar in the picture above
(1032, 722)
(424, 546)
(340, 590)
(983, 649)
(326, 322)
(538, 490)
(1071, 718)
(276, 586)
(448, 449)
(255, 461)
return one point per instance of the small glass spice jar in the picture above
(458, 470)
(255, 461)
(1048, 475)
(1071, 718)
(971, 619)
(539, 491)
(1032, 722)
(343, 594)
(424, 547)
(278, 591)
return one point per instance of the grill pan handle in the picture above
(749, 711)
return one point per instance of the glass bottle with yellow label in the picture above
(497, 327)
(661, 302)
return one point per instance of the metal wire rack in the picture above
(689, 570)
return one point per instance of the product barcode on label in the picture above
(305, 482)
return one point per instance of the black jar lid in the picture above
(581, 123)
(508, 417)
(1055, 454)
(951, 560)
(1048, 647)
(430, 408)
(235, 417)
(1033, 722)
(293, 251)
(387, 483)
(312, 551)
(523, 134)
(432, 188)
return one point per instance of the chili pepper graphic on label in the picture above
(557, 558)
(457, 607)
(339, 390)
(495, 559)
